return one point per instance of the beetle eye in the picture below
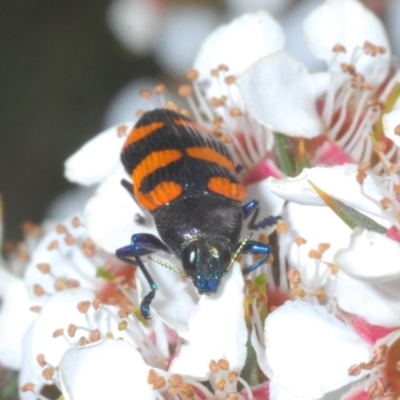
(189, 258)
(222, 251)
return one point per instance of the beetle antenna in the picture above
(166, 265)
(237, 252)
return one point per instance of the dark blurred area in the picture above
(60, 67)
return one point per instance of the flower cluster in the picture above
(319, 320)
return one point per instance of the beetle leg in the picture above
(253, 208)
(253, 247)
(142, 244)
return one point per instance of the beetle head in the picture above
(205, 260)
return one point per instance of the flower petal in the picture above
(339, 182)
(278, 85)
(66, 261)
(98, 158)
(110, 214)
(320, 348)
(175, 299)
(349, 23)
(238, 44)
(391, 126)
(217, 329)
(110, 369)
(15, 318)
(370, 256)
(378, 303)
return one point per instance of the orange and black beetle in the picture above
(187, 180)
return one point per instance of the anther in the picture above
(220, 384)
(300, 241)
(282, 227)
(83, 341)
(320, 294)
(60, 228)
(69, 240)
(191, 75)
(48, 373)
(263, 238)
(185, 112)
(96, 303)
(366, 87)
(175, 380)
(223, 67)
(71, 330)
(323, 247)
(123, 326)
(223, 364)
(339, 48)
(361, 176)
(139, 112)
(187, 390)
(83, 306)
(213, 366)
(160, 89)
(232, 376)
(36, 309)
(58, 332)
(76, 223)
(294, 277)
(94, 335)
(230, 80)
(121, 131)
(297, 292)
(145, 93)
(379, 146)
(397, 130)
(159, 382)
(385, 203)
(354, 370)
(60, 284)
(72, 283)
(235, 112)
(151, 377)
(217, 102)
(232, 396)
(53, 245)
(29, 228)
(364, 166)
(185, 91)
(28, 387)
(315, 254)
(214, 72)
(170, 105)
(44, 268)
(38, 290)
(41, 360)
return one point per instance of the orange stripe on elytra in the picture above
(162, 194)
(154, 161)
(141, 132)
(225, 187)
(191, 125)
(211, 155)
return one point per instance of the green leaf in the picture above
(101, 272)
(283, 155)
(250, 369)
(394, 96)
(10, 389)
(350, 216)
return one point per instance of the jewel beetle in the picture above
(186, 178)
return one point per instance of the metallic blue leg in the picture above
(253, 207)
(252, 247)
(141, 245)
